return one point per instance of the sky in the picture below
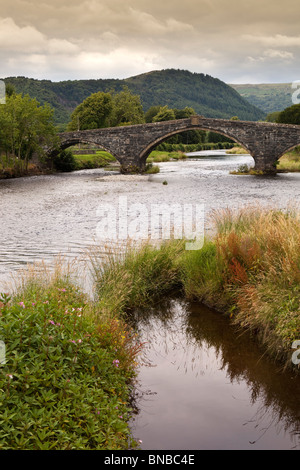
(237, 41)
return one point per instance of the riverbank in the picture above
(68, 368)
(249, 271)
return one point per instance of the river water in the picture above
(202, 385)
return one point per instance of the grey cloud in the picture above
(230, 39)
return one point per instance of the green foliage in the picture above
(152, 111)
(127, 109)
(176, 88)
(179, 89)
(151, 169)
(269, 98)
(64, 385)
(107, 110)
(98, 160)
(65, 161)
(136, 277)
(272, 117)
(93, 113)
(290, 115)
(164, 114)
(25, 127)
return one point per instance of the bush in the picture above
(65, 161)
(65, 384)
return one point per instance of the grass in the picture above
(99, 159)
(290, 162)
(237, 150)
(252, 272)
(136, 276)
(151, 169)
(70, 361)
(161, 156)
(249, 271)
(66, 381)
(102, 159)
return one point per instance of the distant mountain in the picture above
(268, 97)
(208, 96)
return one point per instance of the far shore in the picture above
(290, 162)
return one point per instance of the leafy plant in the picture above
(65, 381)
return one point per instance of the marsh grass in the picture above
(252, 271)
(133, 278)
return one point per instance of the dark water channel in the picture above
(202, 384)
(205, 385)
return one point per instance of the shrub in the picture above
(65, 384)
(65, 161)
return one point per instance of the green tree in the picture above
(290, 115)
(26, 128)
(127, 109)
(184, 113)
(93, 113)
(272, 117)
(164, 114)
(152, 111)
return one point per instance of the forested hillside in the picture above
(208, 96)
(269, 97)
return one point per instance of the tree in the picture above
(184, 113)
(93, 113)
(164, 114)
(127, 109)
(152, 111)
(26, 128)
(272, 117)
(107, 110)
(290, 115)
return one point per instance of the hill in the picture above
(209, 96)
(268, 97)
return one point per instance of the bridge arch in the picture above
(151, 146)
(64, 144)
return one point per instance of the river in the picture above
(202, 385)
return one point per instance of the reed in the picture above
(136, 275)
(252, 272)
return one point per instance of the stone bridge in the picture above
(131, 145)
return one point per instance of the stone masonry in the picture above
(131, 145)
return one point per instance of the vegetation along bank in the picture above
(71, 362)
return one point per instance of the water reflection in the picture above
(206, 385)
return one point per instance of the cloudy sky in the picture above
(238, 41)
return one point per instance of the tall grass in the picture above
(250, 271)
(135, 277)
